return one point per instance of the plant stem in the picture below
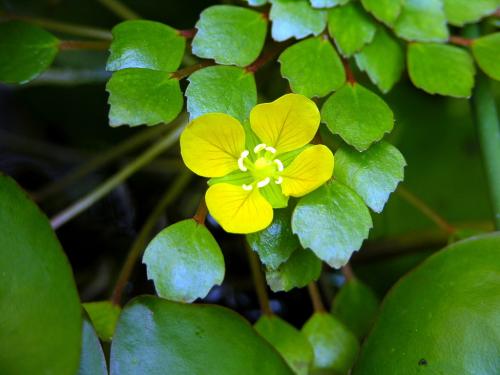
(267, 56)
(66, 45)
(185, 72)
(62, 27)
(120, 9)
(316, 298)
(202, 211)
(258, 280)
(425, 209)
(348, 272)
(145, 234)
(95, 195)
(101, 160)
(460, 41)
(488, 127)
(348, 72)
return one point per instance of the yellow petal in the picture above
(212, 143)
(238, 210)
(287, 123)
(309, 170)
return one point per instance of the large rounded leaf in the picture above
(184, 261)
(443, 318)
(40, 315)
(92, 361)
(27, 51)
(155, 336)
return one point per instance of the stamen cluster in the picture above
(263, 166)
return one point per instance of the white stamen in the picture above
(259, 147)
(272, 150)
(279, 164)
(264, 182)
(279, 180)
(247, 187)
(241, 161)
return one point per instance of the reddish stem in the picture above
(185, 72)
(460, 41)
(202, 212)
(188, 33)
(348, 72)
(347, 272)
(83, 44)
(266, 57)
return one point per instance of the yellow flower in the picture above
(255, 168)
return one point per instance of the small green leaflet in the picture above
(460, 12)
(486, 51)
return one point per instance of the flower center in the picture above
(263, 166)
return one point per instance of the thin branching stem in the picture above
(316, 300)
(146, 232)
(120, 9)
(258, 280)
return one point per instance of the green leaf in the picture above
(295, 19)
(383, 60)
(155, 335)
(225, 89)
(230, 35)
(332, 221)
(460, 12)
(103, 315)
(441, 69)
(356, 305)
(358, 115)
(386, 11)
(27, 51)
(335, 347)
(288, 341)
(92, 361)
(145, 44)
(300, 269)
(143, 96)
(485, 51)
(373, 174)
(277, 242)
(351, 28)
(443, 317)
(327, 3)
(184, 261)
(422, 20)
(41, 318)
(328, 73)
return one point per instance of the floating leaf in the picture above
(184, 261)
(295, 19)
(373, 174)
(351, 28)
(356, 305)
(383, 60)
(288, 341)
(327, 3)
(486, 50)
(460, 12)
(103, 315)
(358, 115)
(155, 335)
(328, 73)
(145, 44)
(441, 69)
(277, 242)
(299, 270)
(386, 11)
(335, 347)
(27, 51)
(332, 221)
(422, 20)
(225, 89)
(443, 317)
(92, 361)
(230, 35)
(143, 96)
(41, 318)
